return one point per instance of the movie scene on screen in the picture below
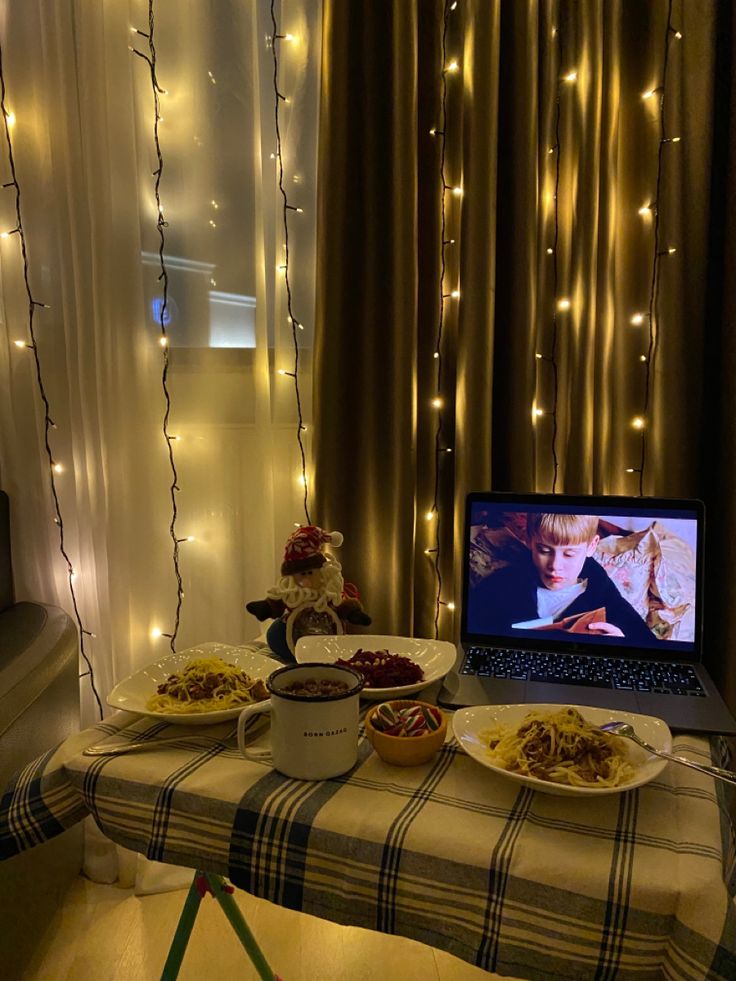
(612, 578)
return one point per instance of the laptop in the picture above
(587, 601)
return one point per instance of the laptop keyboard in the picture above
(577, 669)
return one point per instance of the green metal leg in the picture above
(210, 882)
(232, 911)
(182, 933)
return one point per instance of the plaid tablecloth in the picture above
(632, 886)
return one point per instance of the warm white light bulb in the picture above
(672, 250)
(457, 191)
(638, 422)
(301, 480)
(648, 94)
(281, 371)
(453, 66)
(643, 357)
(163, 341)
(58, 468)
(155, 633)
(450, 606)
(288, 37)
(213, 223)
(437, 402)
(429, 515)
(563, 304)
(19, 343)
(433, 131)
(550, 251)
(190, 538)
(538, 356)
(637, 319)
(435, 355)
(214, 203)
(10, 118)
(570, 77)
(645, 210)
(212, 78)
(455, 294)
(678, 35)
(630, 470)
(676, 139)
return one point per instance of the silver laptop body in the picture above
(642, 572)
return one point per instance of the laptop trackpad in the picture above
(472, 690)
(537, 691)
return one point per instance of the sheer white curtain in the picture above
(83, 141)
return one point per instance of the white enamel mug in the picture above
(313, 737)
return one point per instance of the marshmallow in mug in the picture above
(314, 721)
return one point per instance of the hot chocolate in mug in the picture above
(314, 721)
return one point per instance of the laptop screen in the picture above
(551, 571)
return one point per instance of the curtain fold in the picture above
(365, 341)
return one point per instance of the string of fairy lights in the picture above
(441, 449)
(296, 325)
(653, 210)
(561, 304)
(55, 467)
(162, 315)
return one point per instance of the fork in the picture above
(624, 729)
(100, 749)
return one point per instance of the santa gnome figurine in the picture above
(311, 597)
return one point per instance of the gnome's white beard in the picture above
(329, 593)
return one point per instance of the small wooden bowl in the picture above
(405, 750)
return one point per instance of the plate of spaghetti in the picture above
(393, 667)
(559, 749)
(200, 686)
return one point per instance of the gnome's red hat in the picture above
(304, 549)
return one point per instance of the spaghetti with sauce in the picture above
(206, 685)
(560, 747)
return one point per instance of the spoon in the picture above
(624, 729)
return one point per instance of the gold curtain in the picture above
(379, 247)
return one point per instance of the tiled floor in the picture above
(106, 933)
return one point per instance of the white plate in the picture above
(132, 694)
(434, 657)
(468, 724)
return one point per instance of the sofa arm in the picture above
(39, 682)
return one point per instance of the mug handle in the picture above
(258, 708)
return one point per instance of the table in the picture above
(632, 886)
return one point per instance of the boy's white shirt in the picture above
(552, 602)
